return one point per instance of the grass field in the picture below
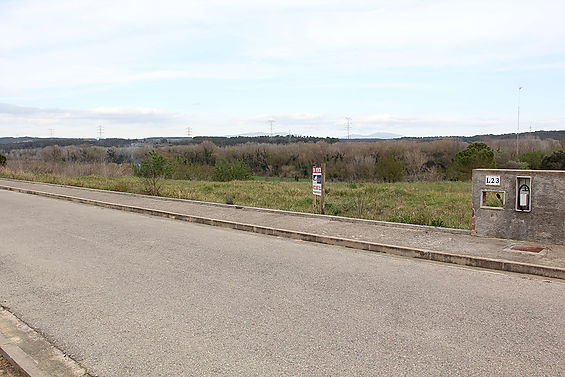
(445, 204)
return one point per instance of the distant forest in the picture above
(291, 157)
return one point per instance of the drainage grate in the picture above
(531, 249)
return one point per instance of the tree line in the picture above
(386, 160)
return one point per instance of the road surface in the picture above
(131, 295)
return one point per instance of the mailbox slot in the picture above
(523, 194)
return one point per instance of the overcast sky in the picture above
(147, 68)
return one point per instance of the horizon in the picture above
(229, 67)
(353, 137)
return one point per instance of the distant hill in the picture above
(252, 134)
(377, 135)
(26, 142)
(555, 135)
(11, 143)
(278, 139)
(9, 140)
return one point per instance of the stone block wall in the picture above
(497, 214)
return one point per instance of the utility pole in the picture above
(518, 129)
(348, 126)
(271, 121)
(323, 196)
(100, 130)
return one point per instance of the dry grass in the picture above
(69, 169)
(446, 204)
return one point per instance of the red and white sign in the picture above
(317, 180)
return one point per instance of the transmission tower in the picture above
(348, 126)
(188, 131)
(100, 130)
(518, 128)
(51, 132)
(271, 121)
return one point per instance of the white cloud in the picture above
(118, 122)
(64, 43)
(60, 49)
(413, 33)
(320, 124)
(287, 117)
(145, 122)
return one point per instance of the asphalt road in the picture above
(131, 295)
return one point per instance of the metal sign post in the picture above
(318, 184)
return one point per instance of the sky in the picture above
(145, 68)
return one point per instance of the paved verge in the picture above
(444, 245)
(30, 354)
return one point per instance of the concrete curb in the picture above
(258, 209)
(19, 359)
(31, 353)
(460, 259)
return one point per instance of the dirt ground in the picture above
(6, 369)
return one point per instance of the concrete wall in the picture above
(544, 223)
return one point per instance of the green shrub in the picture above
(390, 169)
(237, 171)
(475, 156)
(533, 159)
(3, 160)
(193, 172)
(555, 161)
(153, 169)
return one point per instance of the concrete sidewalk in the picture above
(446, 245)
